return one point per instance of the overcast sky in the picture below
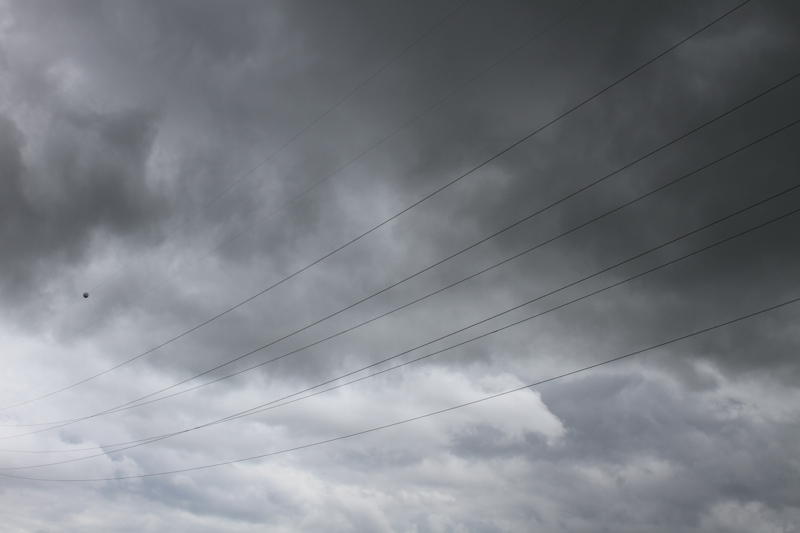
(206, 171)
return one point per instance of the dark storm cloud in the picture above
(670, 99)
(89, 184)
(120, 120)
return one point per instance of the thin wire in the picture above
(309, 189)
(118, 408)
(375, 228)
(427, 415)
(270, 405)
(128, 405)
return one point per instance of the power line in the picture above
(316, 184)
(427, 415)
(129, 405)
(375, 228)
(463, 251)
(271, 405)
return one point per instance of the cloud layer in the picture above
(200, 169)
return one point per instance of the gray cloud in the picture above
(119, 121)
(89, 182)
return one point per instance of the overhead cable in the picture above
(427, 415)
(276, 403)
(139, 401)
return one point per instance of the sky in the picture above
(305, 226)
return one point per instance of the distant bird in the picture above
(85, 294)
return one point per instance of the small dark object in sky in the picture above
(85, 294)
